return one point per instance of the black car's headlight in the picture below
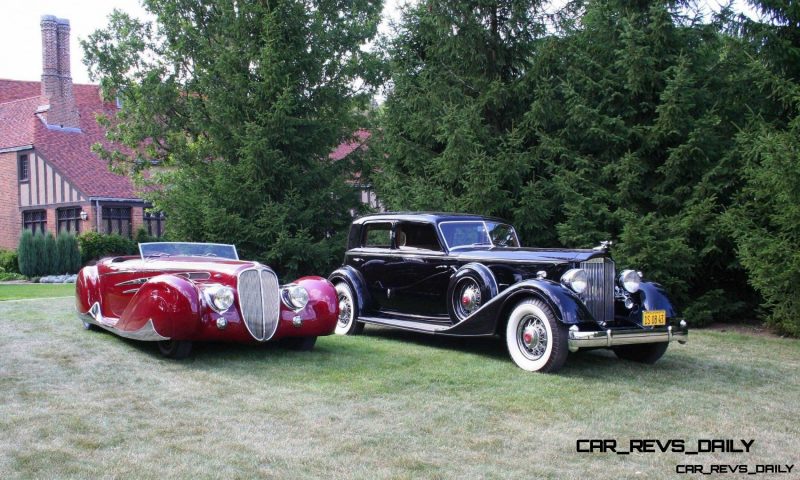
(630, 280)
(295, 297)
(576, 279)
(219, 297)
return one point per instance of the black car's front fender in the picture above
(566, 306)
(356, 282)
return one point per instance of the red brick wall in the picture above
(52, 227)
(90, 224)
(10, 216)
(137, 219)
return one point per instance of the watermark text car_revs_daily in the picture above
(686, 447)
(652, 445)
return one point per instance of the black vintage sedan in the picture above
(466, 275)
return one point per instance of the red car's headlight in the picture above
(219, 297)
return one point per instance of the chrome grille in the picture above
(599, 296)
(259, 301)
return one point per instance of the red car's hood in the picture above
(172, 264)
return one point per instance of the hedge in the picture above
(95, 246)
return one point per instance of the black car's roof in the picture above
(432, 217)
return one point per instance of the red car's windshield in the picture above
(186, 249)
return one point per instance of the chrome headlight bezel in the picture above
(630, 280)
(576, 279)
(219, 297)
(294, 296)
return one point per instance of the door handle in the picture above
(443, 267)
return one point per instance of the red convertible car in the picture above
(177, 293)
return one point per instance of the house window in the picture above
(35, 221)
(69, 220)
(155, 223)
(24, 168)
(117, 220)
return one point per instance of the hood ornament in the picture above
(604, 246)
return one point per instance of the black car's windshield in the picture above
(478, 233)
(186, 249)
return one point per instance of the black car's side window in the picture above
(377, 235)
(416, 235)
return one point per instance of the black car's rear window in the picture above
(377, 235)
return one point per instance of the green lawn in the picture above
(21, 291)
(384, 405)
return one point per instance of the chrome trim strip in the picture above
(147, 333)
(629, 336)
(136, 281)
(131, 290)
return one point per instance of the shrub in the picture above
(9, 261)
(25, 254)
(143, 237)
(40, 262)
(69, 255)
(7, 276)
(50, 256)
(95, 245)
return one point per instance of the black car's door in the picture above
(421, 274)
(372, 259)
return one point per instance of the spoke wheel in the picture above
(346, 323)
(466, 298)
(536, 341)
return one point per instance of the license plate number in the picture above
(654, 318)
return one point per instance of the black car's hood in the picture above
(527, 255)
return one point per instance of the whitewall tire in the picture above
(536, 341)
(348, 311)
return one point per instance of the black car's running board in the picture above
(413, 325)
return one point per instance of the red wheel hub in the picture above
(527, 337)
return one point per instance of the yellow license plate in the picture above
(654, 318)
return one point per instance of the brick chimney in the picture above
(56, 76)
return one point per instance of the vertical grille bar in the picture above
(270, 295)
(259, 301)
(599, 296)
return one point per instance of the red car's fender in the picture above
(318, 318)
(171, 303)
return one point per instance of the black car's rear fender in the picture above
(356, 282)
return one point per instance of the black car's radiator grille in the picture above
(259, 301)
(599, 296)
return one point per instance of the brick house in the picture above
(49, 178)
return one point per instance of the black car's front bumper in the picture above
(629, 336)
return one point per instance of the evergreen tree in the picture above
(620, 127)
(25, 254)
(240, 104)
(766, 219)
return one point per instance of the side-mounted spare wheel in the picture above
(348, 311)
(643, 353)
(536, 340)
(176, 349)
(470, 288)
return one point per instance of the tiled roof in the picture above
(68, 151)
(359, 138)
(16, 90)
(17, 121)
